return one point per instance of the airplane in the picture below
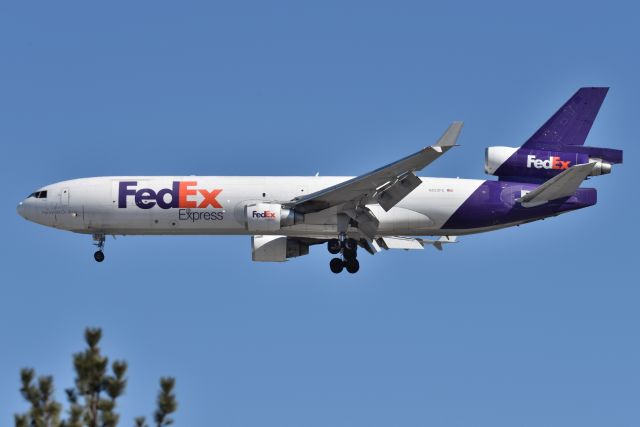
(387, 208)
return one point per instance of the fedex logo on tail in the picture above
(182, 194)
(552, 162)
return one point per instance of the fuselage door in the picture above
(64, 197)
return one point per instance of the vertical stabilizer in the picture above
(571, 124)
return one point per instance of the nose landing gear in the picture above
(99, 243)
(349, 250)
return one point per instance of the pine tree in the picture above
(94, 396)
(166, 405)
(92, 402)
(45, 411)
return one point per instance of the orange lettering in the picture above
(184, 192)
(210, 199)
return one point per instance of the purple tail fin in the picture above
(571, 124)
(557, 145)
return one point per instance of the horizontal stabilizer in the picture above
(562, 185)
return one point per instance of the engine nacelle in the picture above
(509, 162)
(263, 217)
(276, 248)
(601, 168)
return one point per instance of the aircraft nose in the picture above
(21, 210)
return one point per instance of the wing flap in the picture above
(400, 243)
(438, 243)
(391, 194)
(407, 243)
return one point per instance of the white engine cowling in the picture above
(494, 157)
(276, 248)
(267, 217)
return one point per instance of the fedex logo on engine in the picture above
(182, 194)
(263, 215)
(552, 162)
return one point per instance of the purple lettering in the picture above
(124, 191)
(174, 193)
(143, 198)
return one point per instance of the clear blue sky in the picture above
(533, 326)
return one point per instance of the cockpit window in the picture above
(39, 194)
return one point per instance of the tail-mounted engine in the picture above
(269, 217)
(511, 163)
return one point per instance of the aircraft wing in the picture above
(388, 184)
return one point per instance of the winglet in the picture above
(563, 185)
(450, 136)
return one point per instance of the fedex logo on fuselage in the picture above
(182, 194)
(552, 162)
(263, 215)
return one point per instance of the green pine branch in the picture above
(93, 400)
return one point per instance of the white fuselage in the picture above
(218, 205)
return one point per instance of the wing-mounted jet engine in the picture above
(269, 217)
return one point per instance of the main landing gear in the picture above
(99, 243)
(349, 249)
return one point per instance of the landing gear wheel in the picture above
(98, 256)
(352, 265)
(98, 240)
(350, 244)
(333, 246)
(349, 253)
(336, 265)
